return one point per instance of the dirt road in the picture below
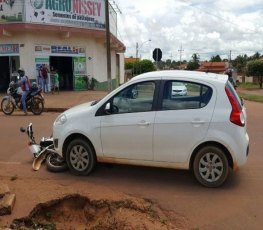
(236, 205)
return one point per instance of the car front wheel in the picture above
(80, 157)
(211, 166)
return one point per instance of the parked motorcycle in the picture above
(44, 151)
(34, 100)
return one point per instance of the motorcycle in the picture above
(44, 151)
(34, 100)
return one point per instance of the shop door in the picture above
(14, 63)
(4, 73)
(64, 66)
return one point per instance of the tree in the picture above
(255, 68)
(139, 67)
(195, 57)
(256, 56)
(194, 63)
(216, 58)
(146, 66)
(240, 63)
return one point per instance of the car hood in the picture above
(80, 108)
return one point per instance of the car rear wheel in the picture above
(80, 157)
(211, 166)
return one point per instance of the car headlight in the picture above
(62, 119)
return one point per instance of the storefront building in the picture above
(66, 35)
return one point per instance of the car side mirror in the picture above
(107, 108)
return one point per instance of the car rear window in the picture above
(179, 95)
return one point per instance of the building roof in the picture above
(214, 67)
(131, 59)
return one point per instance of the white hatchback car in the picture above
(204, 131)
(179, 89)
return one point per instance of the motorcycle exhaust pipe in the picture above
(22, 129)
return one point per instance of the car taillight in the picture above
(236, 116)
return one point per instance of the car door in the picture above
(182, 121)
(127, 131)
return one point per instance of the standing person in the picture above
(56, 81)
(39, 77)
(44, 76)
(230, 77)
(25, 86)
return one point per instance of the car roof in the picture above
(182, 74)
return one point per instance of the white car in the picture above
(179, 89)
(205, 131)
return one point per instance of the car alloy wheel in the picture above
(80, 157)
(211, 166)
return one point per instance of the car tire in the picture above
(211, 166)
(80, 157)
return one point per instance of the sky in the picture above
(181, 28)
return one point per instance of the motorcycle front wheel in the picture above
(7, 106)
(37, 106)
(56, 163)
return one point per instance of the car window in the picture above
(134, 98)
(185, 95)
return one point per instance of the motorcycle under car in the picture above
(44, 151)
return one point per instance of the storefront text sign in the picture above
(60, 50)
(77, 13)
(9, 49)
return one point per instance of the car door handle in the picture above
(198, 122)
(143, 123)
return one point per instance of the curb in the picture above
(54, 110)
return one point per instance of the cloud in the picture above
(201, 26)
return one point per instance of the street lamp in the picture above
(139, 47)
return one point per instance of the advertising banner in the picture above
(81, 82)
(80, 77)
(11, 11)
(76, 13)
(12, 49)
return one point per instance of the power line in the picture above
(222, 18)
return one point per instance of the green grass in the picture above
(251, 97)
(248, 85)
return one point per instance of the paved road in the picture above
(236, 205)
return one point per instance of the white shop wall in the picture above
(95, 52)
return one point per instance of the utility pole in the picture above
(137, 50)
(108, 45)
(171, 56)
(180, 51)
(230, 59)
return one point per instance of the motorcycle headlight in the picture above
(62, 119)
(8, 91)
